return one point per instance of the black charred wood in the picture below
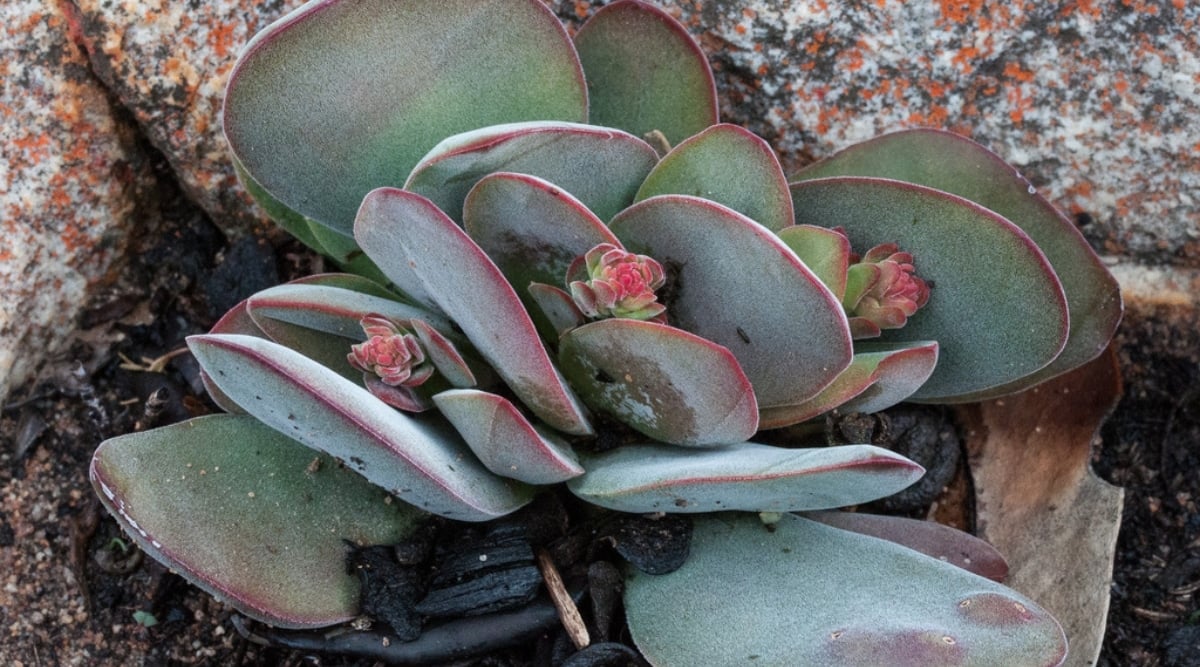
(390, 591)
(481, 569)
(492, 591)
(479, 561)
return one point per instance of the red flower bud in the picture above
(390, 352)
(883, 291)
(619, 284)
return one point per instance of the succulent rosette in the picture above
(531, 272)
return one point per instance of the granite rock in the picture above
(71, 174)
(167, 62)
(1094, 101)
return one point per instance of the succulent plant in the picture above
(520, 281)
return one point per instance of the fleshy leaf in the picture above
(851, 600)
(664, 382)
(504, 440)
(825, 252)
(331, 309)
(337, 246)
(903, 368)
(731, 166)
(932, 539)
(248, 515)
(444, 355)
(645, 72)
(599, 166)
(875, 380)
(957, 165)
(321, 317)
(732, 281)
(533, 230)
(236, 320)
(996, 309)
(557, 308)
(426, 466)
(295, 224)
(322, 320)
(423, 251)
(344, 251)
(338, 97)
(349, 281)
(748, 477)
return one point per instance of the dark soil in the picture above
(75, 592)
(1151, 447)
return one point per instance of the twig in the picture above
(568, 613)
(1154, 615)
(148, 365)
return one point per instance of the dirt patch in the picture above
(1151, 446)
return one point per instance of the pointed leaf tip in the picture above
(747, 476)
(504, 440)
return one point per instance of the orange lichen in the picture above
(960, 11)
(221, 39)
(854, 60)
(1013, 70)
(963, 58)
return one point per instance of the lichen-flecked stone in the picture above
(167, 61)
(1092, 100)
(69, 177)
(1095, 101)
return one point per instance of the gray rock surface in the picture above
(1094, 101)
(167, 62)
(71, 177)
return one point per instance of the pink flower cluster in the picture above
(390, 352)
(619, 284)
(887, 292)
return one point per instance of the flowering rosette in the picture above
(393, 354)
(882, 291)
(617, 284)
